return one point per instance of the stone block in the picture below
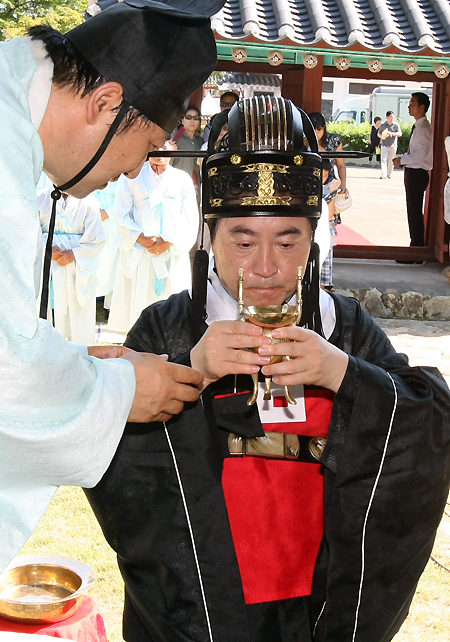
(411, 306)
(438, 307)
(391, 301)
(374, 305)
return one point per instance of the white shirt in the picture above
(420, 154)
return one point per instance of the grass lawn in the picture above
(69, 528)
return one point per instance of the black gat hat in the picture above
(160, 53)
(268, 165)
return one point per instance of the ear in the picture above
(102, 101)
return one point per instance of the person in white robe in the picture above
(109, 255)
(78, 240)
(63, 410)
(157, 224)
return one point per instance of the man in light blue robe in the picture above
(62, 409)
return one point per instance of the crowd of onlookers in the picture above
(129, 244)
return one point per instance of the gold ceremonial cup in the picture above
(269, 317)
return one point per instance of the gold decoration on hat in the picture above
(312, 200)
(212, 171)
(298, 160)
(216, 202)
(266, 186)
(236, 159)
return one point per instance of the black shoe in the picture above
(409, 262)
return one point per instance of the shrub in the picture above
(356, 137)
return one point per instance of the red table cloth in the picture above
(85, 625)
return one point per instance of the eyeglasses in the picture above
(227, 105)
(189, 117)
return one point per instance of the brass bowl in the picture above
(43, 589)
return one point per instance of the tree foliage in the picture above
(16, 16)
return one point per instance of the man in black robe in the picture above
(275, 522)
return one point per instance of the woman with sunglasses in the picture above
(190, 140)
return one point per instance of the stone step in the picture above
(389, 290)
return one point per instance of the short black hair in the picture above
(318, 122)
(388, 113)
(71, 69)
(230, 94)
(193, 108)
(422, 99)
(376, 119)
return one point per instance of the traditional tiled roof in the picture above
(409, 25)
(253, 80)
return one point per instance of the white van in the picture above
(355, 109)
(363, 109)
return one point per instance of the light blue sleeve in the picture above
(62, 413)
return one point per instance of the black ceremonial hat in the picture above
(269, 166)
(160, 53)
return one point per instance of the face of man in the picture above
(415, 110)
(160, 163)
(227, 102)
(125, 154)
(390, 119)
(269, 249)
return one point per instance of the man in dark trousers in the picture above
(277, 521)
(417, 162)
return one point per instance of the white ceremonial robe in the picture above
(109, 256)
(78, 227)
(322, 235)
(163, 206)
(62, 412)
(447, 184)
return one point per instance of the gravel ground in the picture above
(427, 343)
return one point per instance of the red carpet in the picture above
(346, 236)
